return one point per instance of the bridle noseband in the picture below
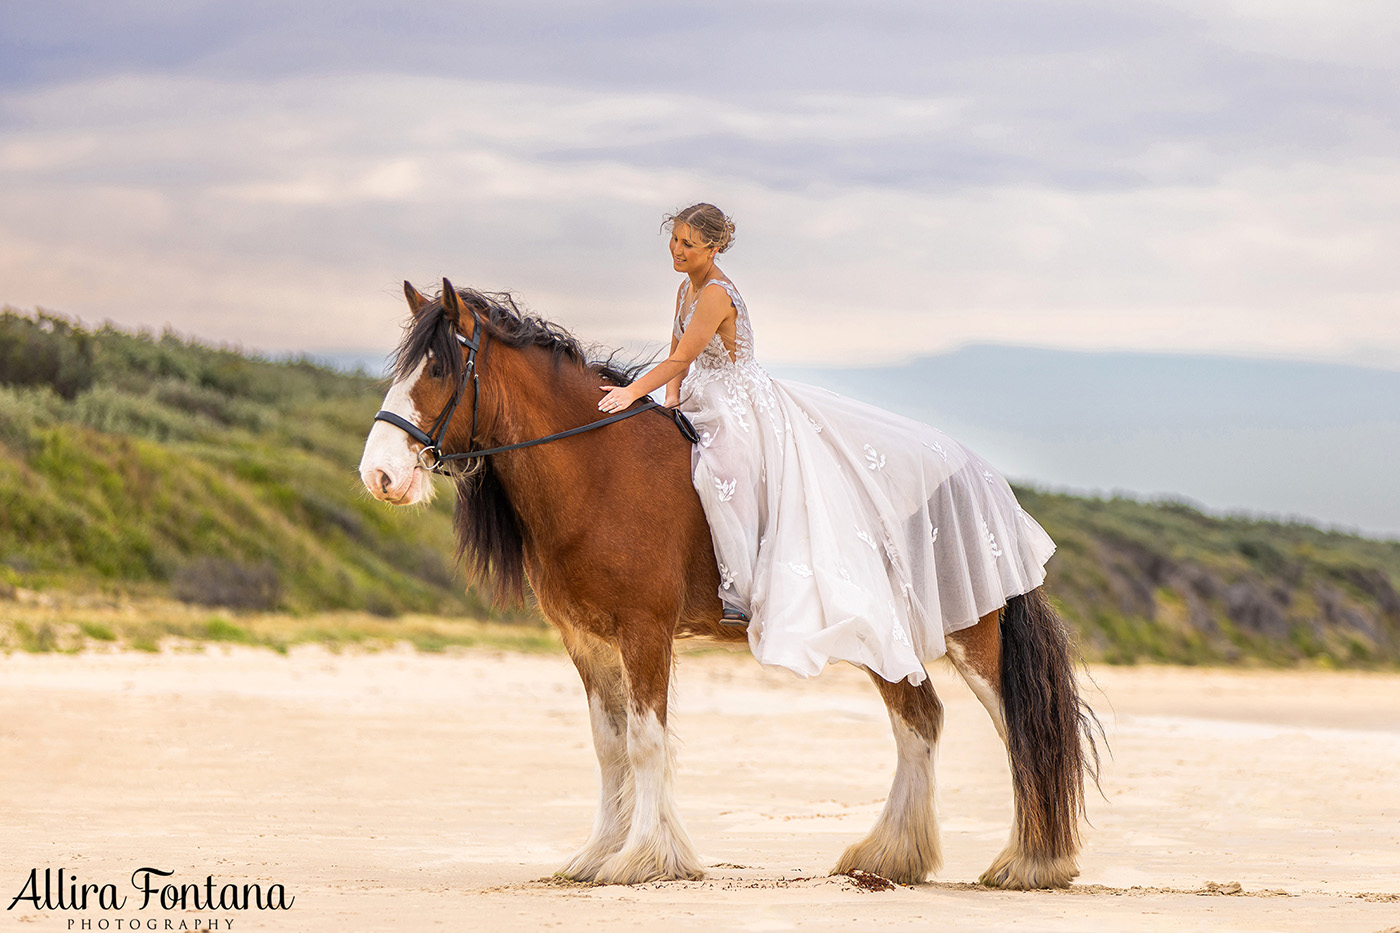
(432, 438)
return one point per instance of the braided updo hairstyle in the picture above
(707, 221)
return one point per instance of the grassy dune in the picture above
(154, 488)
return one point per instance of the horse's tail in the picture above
(1049, 735)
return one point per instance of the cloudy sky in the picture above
(1206, 178)
(1217, 177)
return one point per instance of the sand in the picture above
(404, 791)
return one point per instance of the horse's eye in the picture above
(436, 369)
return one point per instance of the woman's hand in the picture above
(617, 398)
(672, 400)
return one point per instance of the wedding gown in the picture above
(845, 531)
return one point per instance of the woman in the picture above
(842, 531)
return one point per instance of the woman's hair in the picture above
(707, 221)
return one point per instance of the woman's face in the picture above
(689, 252)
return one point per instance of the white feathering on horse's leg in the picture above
(1013, 868)
(614, 816)
(657, 845)
(903, 846)
(1016, 870)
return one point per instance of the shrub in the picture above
(45, 350)
(113, 411)
(22, 410)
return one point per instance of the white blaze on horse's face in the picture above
(389, 468)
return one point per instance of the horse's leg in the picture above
(1019, 665)
(657, 845)
(903, 845)
(600, 667)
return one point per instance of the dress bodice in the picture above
(716, 355)
(744, 385)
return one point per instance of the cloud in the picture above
(908, 178)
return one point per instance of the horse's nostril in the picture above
(383, 481)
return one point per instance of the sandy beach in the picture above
(405, 791)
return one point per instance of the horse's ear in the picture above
(416, 302)
(452, 302)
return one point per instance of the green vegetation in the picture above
(153, 466)
(154, 470)
(1165, 582)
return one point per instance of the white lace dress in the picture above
(847, 532)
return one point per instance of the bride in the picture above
(842, 531)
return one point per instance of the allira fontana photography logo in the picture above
(149, 890)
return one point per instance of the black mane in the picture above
(430, 330)
(490, 540)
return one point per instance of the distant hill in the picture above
(153, 464)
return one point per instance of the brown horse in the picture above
(611, 535)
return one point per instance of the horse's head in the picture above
(428, 377)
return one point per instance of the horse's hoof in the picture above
(638, 866)
(901, 860)
(1015, 871)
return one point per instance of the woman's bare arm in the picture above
(673, 388)
(714, 306)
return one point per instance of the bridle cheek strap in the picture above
(430, 456)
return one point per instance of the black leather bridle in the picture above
(431, 439)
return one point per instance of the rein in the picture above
(432, 438)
